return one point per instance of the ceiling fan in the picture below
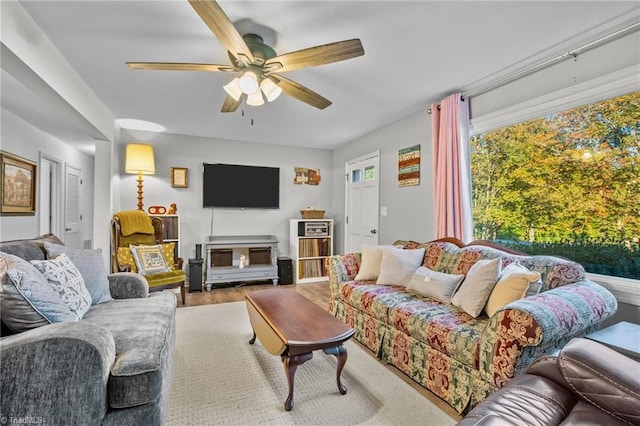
(258, 63)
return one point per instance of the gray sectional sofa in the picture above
(112, 367)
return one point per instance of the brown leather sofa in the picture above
(585, 384)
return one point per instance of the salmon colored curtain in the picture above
(450, 138)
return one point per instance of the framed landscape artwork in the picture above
(18, 185)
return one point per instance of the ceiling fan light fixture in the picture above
(270, 90)
(249, 83)
(233, 89)
(255, 98)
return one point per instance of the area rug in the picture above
(220, 379)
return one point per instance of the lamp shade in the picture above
(233, 89)
(255, 99)
(139, 159)
(270, 90)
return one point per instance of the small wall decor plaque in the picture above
(306, 175)
(18, 185)
(409, 166)
(179, 177)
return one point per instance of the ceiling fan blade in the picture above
(300, 92)
(220, 24)
(178, 66)
(318, 55)
(230, 104)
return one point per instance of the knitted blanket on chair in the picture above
(134, 222)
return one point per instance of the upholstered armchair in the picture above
(133, 235)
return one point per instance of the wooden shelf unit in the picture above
(171, 230)
(310, 243)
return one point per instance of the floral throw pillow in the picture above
(67, 280)
(149, 259)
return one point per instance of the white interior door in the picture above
(362, 202)
(50, 196)
(72, 217)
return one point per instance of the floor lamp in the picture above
(139, 159)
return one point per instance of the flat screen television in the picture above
(231, 185)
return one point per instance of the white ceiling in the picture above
(416, 52)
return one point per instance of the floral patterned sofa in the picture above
(459, 358)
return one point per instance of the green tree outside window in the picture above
(566, 184)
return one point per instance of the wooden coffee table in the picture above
(291, 326)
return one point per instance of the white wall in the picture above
(409, 209)
(190, 152)
(21, 138)
(617, 55)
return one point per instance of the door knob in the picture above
(67, 229)
(373, 231)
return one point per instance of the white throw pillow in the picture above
(513, 284)
(477, 286)
(437, 285)
(67, 280)
(370, 262)
(398, 265)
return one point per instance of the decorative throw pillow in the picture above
(398, 265)
(27, 300)
(512, 285)
(66, 279)
(91, 265)
(370, 263)
(167, 252)
(149, 259)
(477, 285)
(126, 258)
(437, 285)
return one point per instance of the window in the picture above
(369, 173)
(565, 184)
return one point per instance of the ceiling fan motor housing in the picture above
(260, 51)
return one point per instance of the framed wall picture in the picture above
(179, 177)
(18, 185)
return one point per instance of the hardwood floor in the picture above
(319, 294)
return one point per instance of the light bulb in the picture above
(255, 98)
(270, 90)
(249, 82)
(233, 89)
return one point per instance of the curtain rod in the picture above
(438, 106)
(566, 55)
